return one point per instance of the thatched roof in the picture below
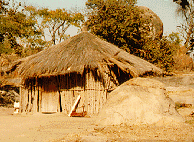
(78, 53)
(10, 81)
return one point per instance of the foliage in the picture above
(24, 29)
(92, 4)
(123, 25)
(15, 25)
(7, 99)
(185, 8)
(55, 21)
(3, 5)
(119, 24)
(168, 53)
(174, 38)
(160, 52)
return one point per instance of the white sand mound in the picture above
(139, 101)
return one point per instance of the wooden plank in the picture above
(68, 102)
(49, 102)
(29, 100)
(36, 99)
(63, 101)
(74, 105)
(35, 96)
(92, 82)
(97, 97)
(40, 98)
(38, 93)
(25, 99)
(21, 100)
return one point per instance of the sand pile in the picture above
(139, 101)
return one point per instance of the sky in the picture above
(165, 9)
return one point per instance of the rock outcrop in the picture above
(139, 101)
(154, 22)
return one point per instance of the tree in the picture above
(185, 8)
(55, 21)
(119, 24)
(2, 12)
(123, 25)
(24, 29)
(93, 4)
(2, 6)
(162, 52)
(15, 25)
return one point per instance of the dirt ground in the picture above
(60, 128)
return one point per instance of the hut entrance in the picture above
(50, 96)
(49, 102)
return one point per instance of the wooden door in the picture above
(50, 95)
(50, 102)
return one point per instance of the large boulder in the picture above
(139, 101)
(154, 22)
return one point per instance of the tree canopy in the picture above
(122, 23)
(56, 22)
(14, 25)
(24, 29)
(119, 24)
(92, 4)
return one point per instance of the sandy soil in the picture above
(60, 128)
(40, 127)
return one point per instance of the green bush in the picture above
(160, 52)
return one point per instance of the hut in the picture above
(76, 75)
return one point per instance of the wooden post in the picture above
(59, 107)
(92, 82)
(87, 92)
(21, 100)
(90, 93)
(30, 97)
(101, 95)
(24, 99)
(38, 93)
(97, 96)
(68, 93)
(65, 95)
(35, 98)
(40, 96)
(81, 92)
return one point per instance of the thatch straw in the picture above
(10, 81)
(78, 53)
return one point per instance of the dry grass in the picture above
(78, 53)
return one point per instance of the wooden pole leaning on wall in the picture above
(74, 105)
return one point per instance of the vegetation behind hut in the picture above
(24, 29)
(121, 23)
(118, 22)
